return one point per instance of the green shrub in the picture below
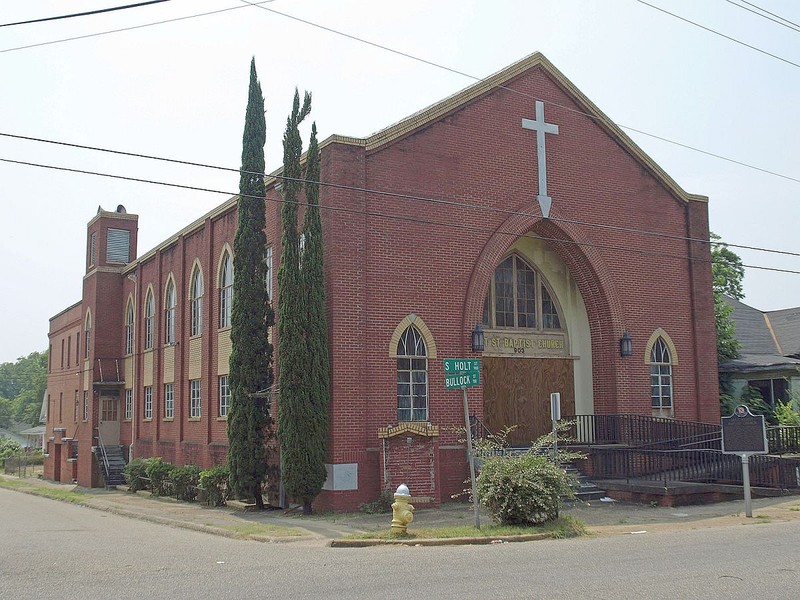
(524, 488)
(9, 447)
(214, 482)
(382, 504)
(185, 479)
(135, 472)
(788, 413)
(160, 474)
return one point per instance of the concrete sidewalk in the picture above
(601, 518)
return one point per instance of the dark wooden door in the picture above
(516, 391)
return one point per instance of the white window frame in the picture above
(128, 404)
(169, 400)
(149, 320)
(169, 313)
(195, 398)
(225, 290)
(148, 402)
(129, 328)
(661, 384)
(196, 303)
(224, 396)
(412, 381)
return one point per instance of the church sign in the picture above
(507, 343)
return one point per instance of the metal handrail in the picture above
(101, 445)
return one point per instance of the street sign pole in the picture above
(748, 501)
(471, 460)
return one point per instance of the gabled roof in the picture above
(769, 341)
(460, 99)
(786, 325)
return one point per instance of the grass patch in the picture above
(795, 507)
(564, 527)
(251, 529)
(52, 493)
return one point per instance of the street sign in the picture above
(462, 365)
(461, 373)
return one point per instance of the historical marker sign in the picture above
(461, 373)
(744, 433)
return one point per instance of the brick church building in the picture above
(515, 205)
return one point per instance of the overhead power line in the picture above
(85, 14)
(722, 35)
(120, 30)
(764, 10)
(787, 24)
(247, 3)
(451, 223)
(404, 196)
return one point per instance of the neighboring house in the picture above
(434, 228)
(769, 352)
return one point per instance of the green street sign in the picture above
(461, 373)
(462, 365)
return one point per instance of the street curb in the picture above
(457, 541)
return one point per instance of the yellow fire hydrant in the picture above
(402, 510)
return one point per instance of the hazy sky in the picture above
(179, 90)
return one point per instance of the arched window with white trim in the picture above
(170, 301)
(88, 333)
(129, 327)
(149, 319)
(196, 302)
(412, 376)
(225, 290)
(660, 376)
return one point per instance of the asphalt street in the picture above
(55, 549)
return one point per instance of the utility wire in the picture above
(763, 16)
(429, 63)
(722, 35)
(394, 216)
(520, 93)
(99, 33)
(84, 14)
(405, 196)
(771, 13)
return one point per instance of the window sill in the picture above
(126, 420)
(226, 328)
(148, 419)
(168, 419)
(225, 418)
(195, 419)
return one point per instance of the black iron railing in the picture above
(708, 466)
(783, 439)
(641, 430)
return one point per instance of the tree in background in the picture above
(727, 272)
(301, 428)
(251, 314)
(22, 386)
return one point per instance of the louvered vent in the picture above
(118, 246)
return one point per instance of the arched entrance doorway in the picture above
(537, 341)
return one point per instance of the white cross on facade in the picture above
(541, 128)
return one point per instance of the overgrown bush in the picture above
(186, 479)
(382, 504)
(215, 483)
(524, 487)
(788, 413)
(9, 447)
(134, 472)
(160, 474)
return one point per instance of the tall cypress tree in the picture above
(302, 471)
(317, 378)
(251, 315)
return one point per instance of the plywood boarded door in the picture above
(516, 391)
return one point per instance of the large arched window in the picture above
(169, 313)
(518, 297)
(149, 319)
(225, 290)
(196, 303)
(412, 376)
(660, 375)
(129, 328)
